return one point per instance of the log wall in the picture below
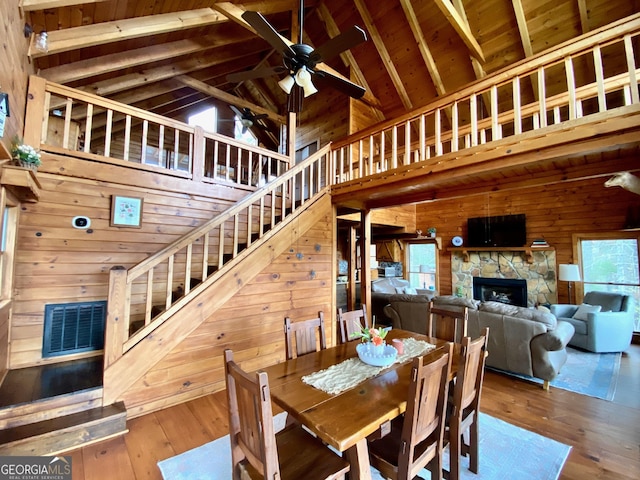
(554, 212)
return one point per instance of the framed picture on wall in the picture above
(126, 211)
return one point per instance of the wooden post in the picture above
(35, 116)
(117, 308)
(365, 263)
(353, 259)
(197, 167)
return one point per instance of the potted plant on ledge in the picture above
(432, 232)
(25, 155)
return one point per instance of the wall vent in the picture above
(73, 328)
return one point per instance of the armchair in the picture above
(609, 330)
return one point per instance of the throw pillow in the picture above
(410, 291)
(454, 300)
(581, 313)
(543, 309)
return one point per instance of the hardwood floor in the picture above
(605, 436)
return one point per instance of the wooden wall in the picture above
(56, 263)
(554, 212)
(298, 284)
(15, 68)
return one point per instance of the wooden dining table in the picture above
(345, 420)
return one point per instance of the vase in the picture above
(27, 165)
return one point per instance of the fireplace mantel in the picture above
(528, 251)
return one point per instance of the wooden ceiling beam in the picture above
(99, 34)
(90, 67)
(384, 54)
(430, 63)
(454, 18)
(523, 29)
(584, 16)
(228, 98)
(347, 57)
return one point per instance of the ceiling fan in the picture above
(247, 118)
(301, 61)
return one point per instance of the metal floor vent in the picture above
(73, 328)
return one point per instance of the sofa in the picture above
(522, 340)
(603, 323)
(382, 289)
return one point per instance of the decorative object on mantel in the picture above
(457, 241)
(25, 155)
(539, 243)
(568, 272)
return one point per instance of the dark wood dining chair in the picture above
(447, 324)
(416, 439)
(464, 408)
(257, 452)
(305, 336)
(348, 323)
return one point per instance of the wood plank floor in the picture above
(605, 436)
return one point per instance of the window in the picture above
(610, 264)
(422, 265)
(7, 247)
(207, 119)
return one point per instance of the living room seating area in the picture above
(603, 322)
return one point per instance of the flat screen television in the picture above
(498, 231)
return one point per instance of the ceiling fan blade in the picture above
(338, 44)
(266, 31)
(260, 116)
(257, 73)
(236, 110)
(341, 84)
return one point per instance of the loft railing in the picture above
(146, 295)
(65, 120)
(599, 71)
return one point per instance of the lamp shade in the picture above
(287, 83)
(303, 78)
(569, 272)
(425, 269)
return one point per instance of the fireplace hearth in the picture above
(512, 291)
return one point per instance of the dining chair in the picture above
(348, 322)
(257, 452)
(304, 336)
(415, 440)
(464, 407)
(447, 324)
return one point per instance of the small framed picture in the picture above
(126, 211)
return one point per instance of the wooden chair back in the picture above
(251, 430)
(348, 323)
(447, 324)
(305, 336)
(416, 440)
(257, 452)
(465, 406)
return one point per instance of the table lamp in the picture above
(423, 270)
(568, 272)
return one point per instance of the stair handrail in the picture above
(279, 191)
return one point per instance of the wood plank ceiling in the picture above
(171, 57)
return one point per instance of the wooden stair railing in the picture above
(206, 254)
(507, 103)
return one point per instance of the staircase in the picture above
(50, 409)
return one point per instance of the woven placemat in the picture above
(345, 375)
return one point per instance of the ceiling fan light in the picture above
(287, 83)
(303, 78)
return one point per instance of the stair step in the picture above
(57, 435)
(48, 408)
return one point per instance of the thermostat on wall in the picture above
(456, 241)
(81, 222)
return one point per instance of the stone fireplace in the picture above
(536, 267)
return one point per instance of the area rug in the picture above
(587, 373)
(506, 451)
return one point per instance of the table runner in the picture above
(347, 374)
